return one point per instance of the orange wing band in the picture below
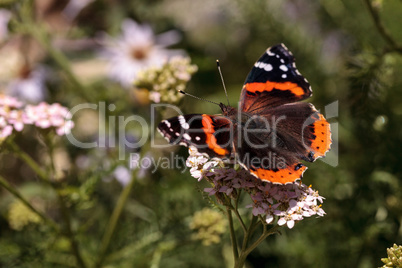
(269, 86)
(321, 144)
(209, 129)
(282, 176)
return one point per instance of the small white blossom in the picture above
(287, 204)
(204, 171)
(289, 219)
(122, 175)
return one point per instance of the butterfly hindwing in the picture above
(301, 128)
(274, 80)
(265, 152)
(210, 134)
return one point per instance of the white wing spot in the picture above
(177, 134)
(163, 135)
(284, 76)
(270, 53)
(171, 129)
(167, 123)
(262, 65)
(186, 136)
(183, 122)
(282, 61)
(197, 138)
(283, 68)
(268, 67)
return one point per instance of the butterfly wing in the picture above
(291, 131)
(274, 80)
(269, 162)
(278, 138)
(301, 128)
(210, 134)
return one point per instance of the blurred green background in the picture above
(350, 52)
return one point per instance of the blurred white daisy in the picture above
(135, 49)
(20, 75)
(29, 85)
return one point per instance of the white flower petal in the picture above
(281, 221)
(290, 224)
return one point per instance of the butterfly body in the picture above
(270, 132)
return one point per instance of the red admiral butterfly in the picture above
(271, 132)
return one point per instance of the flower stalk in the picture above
(29, 161)
(232, 234)
(68, 232)
(112, 224)
(14, 192)
(65, 212)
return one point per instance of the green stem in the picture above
(121, 202)
(13, 191)
(65, 213)
(111, 227)
(264, 235)
(243, 226)
(69, 231)
(236, 211)
(248, 233)
(64, 209)
(29, 161)
(243, 254)
(232, 234)
(381, 28)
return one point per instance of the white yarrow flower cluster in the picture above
(165, 81)
(287, 203)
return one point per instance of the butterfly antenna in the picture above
(198, 98)
(223, 82)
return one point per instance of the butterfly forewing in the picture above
(274, 80)
(209, 134)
